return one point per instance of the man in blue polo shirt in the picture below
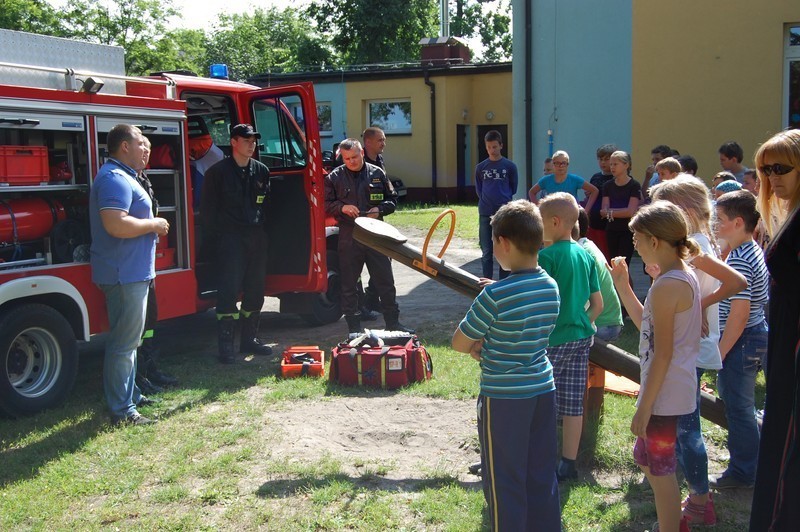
(124, 234)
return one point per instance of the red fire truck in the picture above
(57, 103)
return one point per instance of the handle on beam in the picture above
(423, 264)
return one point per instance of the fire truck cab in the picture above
(56, 109)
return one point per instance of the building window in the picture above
(324, 118)
(792, 77)
(392, 116)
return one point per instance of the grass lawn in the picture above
(208, 464)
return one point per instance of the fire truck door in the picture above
(286, 118)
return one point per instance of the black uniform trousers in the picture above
(151, 316)
(242, 259)
(352, 258)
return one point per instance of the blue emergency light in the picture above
(218, 71)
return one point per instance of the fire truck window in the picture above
(210, 114)
(282, 128)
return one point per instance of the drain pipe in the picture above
(432, 85)
(528, 93)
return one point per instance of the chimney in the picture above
(444, 51)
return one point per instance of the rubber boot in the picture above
(151, 370)
(366, 313)
(146, 386)
(354, 323)
(392, 320)
(249, 342)
(225, 332)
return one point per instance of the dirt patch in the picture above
(395, 437)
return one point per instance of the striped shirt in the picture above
(748, 259)
(515, 317)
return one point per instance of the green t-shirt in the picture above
(575, 271)
(612, 311)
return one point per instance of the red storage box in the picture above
(24, 165)
(165, 258)
(303, 360)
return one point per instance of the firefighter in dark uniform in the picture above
(233, 212)
(149, 378)
(360, 189)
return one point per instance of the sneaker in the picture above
(566, 471)
(724, 482)
(475, 469)
(698, 514)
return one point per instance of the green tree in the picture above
(375, 31)
(495, 31)
(492, 24)
(182, 49)
(34, 16)
(267, 41)
(136, 25)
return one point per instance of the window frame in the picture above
(791, 54)
(383, 125)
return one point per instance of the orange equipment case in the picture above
(291, 367)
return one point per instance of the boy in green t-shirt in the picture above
(576, 274)
(609, 322)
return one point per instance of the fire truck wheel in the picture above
(327, 307)
(38, 359)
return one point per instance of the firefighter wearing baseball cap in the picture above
(233, 213)
(354, 189)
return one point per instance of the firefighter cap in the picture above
(244, 130)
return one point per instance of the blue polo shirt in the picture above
(120, 260)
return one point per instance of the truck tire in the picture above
(38, 359)
(327, 306)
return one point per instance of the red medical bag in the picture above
(388, 366)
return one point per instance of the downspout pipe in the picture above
(528, 7)
(434, 185)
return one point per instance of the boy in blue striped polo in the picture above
(506, 330)
(743, 343)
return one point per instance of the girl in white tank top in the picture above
(670, 325)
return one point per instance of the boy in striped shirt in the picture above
(743, 343)
(506, 329)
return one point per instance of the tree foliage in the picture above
(327, 32)
(266, 41)
(34, 16)
(375, 31)
(473, 18)
(136, 25)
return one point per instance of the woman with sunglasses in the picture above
(777, 487)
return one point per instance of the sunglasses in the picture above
(777, 169)
(565, 163)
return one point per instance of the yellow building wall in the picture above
(409, 156)
(705, 73)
